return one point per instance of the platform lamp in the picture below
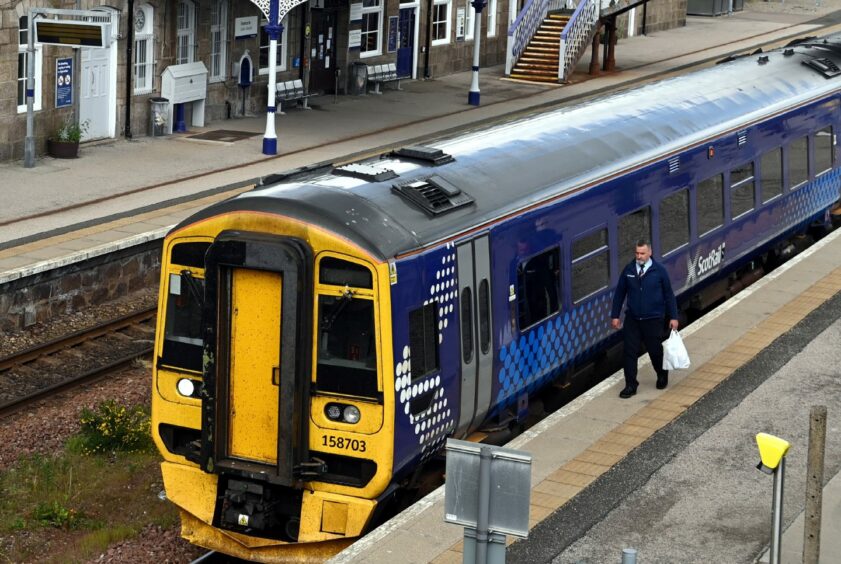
(273, 30)
(473, 95)
(772, 453)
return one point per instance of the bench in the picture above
(291, 91)
(383, 74)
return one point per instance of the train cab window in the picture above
(798, 162)
(338, 272)
(423, 340)
(538, 287)
(709, 202)
(183, 341)
(633, 227)
(771, 175)
(742, 190)
(590, 265)
(824, 150)
(347, 349)
(674, 221)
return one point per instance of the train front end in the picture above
(268, 400)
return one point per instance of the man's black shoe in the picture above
(627, 392)
(662, 382)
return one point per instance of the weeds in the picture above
(112, 427)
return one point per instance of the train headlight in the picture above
(333, 412)
(351, 414)
(186, 387)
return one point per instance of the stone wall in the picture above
(40, 297)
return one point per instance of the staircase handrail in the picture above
(523, 29)
(576, 36)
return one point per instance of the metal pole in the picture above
(274, 29)
(29, 141)
(483, 515)
(473, 96)
(777, 509)
(129, 68)
(629, 556)
(814, 485)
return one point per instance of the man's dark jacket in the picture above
(649, 297)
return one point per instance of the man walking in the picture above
(649, 298)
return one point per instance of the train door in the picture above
(474, 287)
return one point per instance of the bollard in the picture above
(629, 556)
(772, 452)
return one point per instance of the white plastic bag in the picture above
(675, 356)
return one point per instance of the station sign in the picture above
(73, 33)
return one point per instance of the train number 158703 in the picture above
(343, 443)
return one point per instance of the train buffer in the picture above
(383, 74)
(291, 91)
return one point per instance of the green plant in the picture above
(114, 427)
(70, 131)
(55, 514)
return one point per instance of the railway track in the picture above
(36, 373)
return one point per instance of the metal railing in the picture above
(526, 25)
(576, 36)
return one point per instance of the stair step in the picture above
(538, 64)
(536, 72)
(530, 78)
(534, 49)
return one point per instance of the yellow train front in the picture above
(268, 402)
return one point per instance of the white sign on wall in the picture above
(460, 23)
(354, 38)
(245, 28)
(356, 12)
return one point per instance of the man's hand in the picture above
(673, 324)
(615, 323)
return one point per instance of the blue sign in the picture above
(63, 82)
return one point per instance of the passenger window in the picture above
(347, 349)
(633, 227)
(590, 265)
(538, 287)
(742, 192)
(798, 162)
(771, 175)
(423, 340)
(824, 150)
(674, 221)
(466, 326)
(709, 200)
(338, 272)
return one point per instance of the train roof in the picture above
(504, 168)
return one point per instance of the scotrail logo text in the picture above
(699, 266)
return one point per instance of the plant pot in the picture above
(63, 149)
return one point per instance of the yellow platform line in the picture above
(571, 478)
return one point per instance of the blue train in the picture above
(322, 335)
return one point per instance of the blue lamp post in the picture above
(473, 96)
(273, 30)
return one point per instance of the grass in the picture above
(72, 506)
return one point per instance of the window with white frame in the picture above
(144, 49)
(491, 9)
(441, 22)
(264, 48)
(372, 18)
(218, 40)
(23, 43)
(471, 21)
(185, 47)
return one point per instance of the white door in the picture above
(94, 102)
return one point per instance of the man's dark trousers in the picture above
(639, 331)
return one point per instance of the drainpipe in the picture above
(428, 39)
(129, 66)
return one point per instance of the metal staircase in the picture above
(539, 60)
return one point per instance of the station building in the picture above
(156, 44)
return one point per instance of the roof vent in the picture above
(674, 165)
(824, 66)
(741, 137)
(426, 154)
(788, 52)
(365, 172)
(763, 60)
(433, 195)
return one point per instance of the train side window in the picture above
(484, 316)
(423, 340)
(633, 227)
(742, 190)
(709, 195)
(824, 150)
(338, 272)
(538, 287)
(590, 265)
(771, 175)
(189, 254)
(674, 221)
(798, 162)
(466, 301)
(347, 350)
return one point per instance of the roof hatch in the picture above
(824, 66)
(426, 154)
(367, 172)
(433, 195)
